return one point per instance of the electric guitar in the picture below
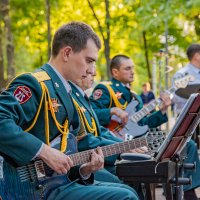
(36, 180)
(132, 127)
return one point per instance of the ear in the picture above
(115, 72)
(66, 52)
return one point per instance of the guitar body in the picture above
(30, 182)
(36, 180)
(131, 128)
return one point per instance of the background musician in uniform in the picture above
(94, 134)
(108, 102)
(192, 68)
(36, 108)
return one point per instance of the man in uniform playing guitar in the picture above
(111, 98)
(35, 109)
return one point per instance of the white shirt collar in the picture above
(65, 83)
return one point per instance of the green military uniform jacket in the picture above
(19, 104)
(89, 140)
(102, 103)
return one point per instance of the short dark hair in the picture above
(192, 49)
(116, 61)
(75, 35)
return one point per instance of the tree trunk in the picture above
(1, 52)
(147, 57)
(9, 42)
(48, 9)
(106, 40)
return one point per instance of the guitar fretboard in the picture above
(150, 107)
(39, 168)
(108, 150)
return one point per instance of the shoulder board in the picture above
(106, 82)
(8, 85)
(41, 76)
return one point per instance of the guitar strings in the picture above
(29, 171)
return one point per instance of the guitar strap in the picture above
(113, 97)
(135, 96)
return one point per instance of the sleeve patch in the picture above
(22, 94)
(97, 94)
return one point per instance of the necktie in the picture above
(86, 97)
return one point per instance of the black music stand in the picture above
(182, 131)
(170, 150)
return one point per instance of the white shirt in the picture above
(179, 102)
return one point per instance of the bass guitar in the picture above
(36, 180)
(132, 127)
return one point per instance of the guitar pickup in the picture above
(40, 171)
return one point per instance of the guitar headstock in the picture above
(155, 140)
(182, 80)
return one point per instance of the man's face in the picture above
(87, 82)
(197, 58)
(125, 73)
(80, 64)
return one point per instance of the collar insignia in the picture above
(117, 84)
(56, 84)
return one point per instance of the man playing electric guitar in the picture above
(112, 98)
(35, 109)
(94, 135)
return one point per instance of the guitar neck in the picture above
(136, 117)
(109, 150)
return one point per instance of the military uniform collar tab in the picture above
(115, 81)
(77, 88)
(65, 83)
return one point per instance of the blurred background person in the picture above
(147, 95)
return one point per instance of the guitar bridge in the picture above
(40, 171)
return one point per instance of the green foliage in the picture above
(129, 19)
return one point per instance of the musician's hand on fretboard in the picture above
(143, 150)
(166, 101)
(96, 162)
